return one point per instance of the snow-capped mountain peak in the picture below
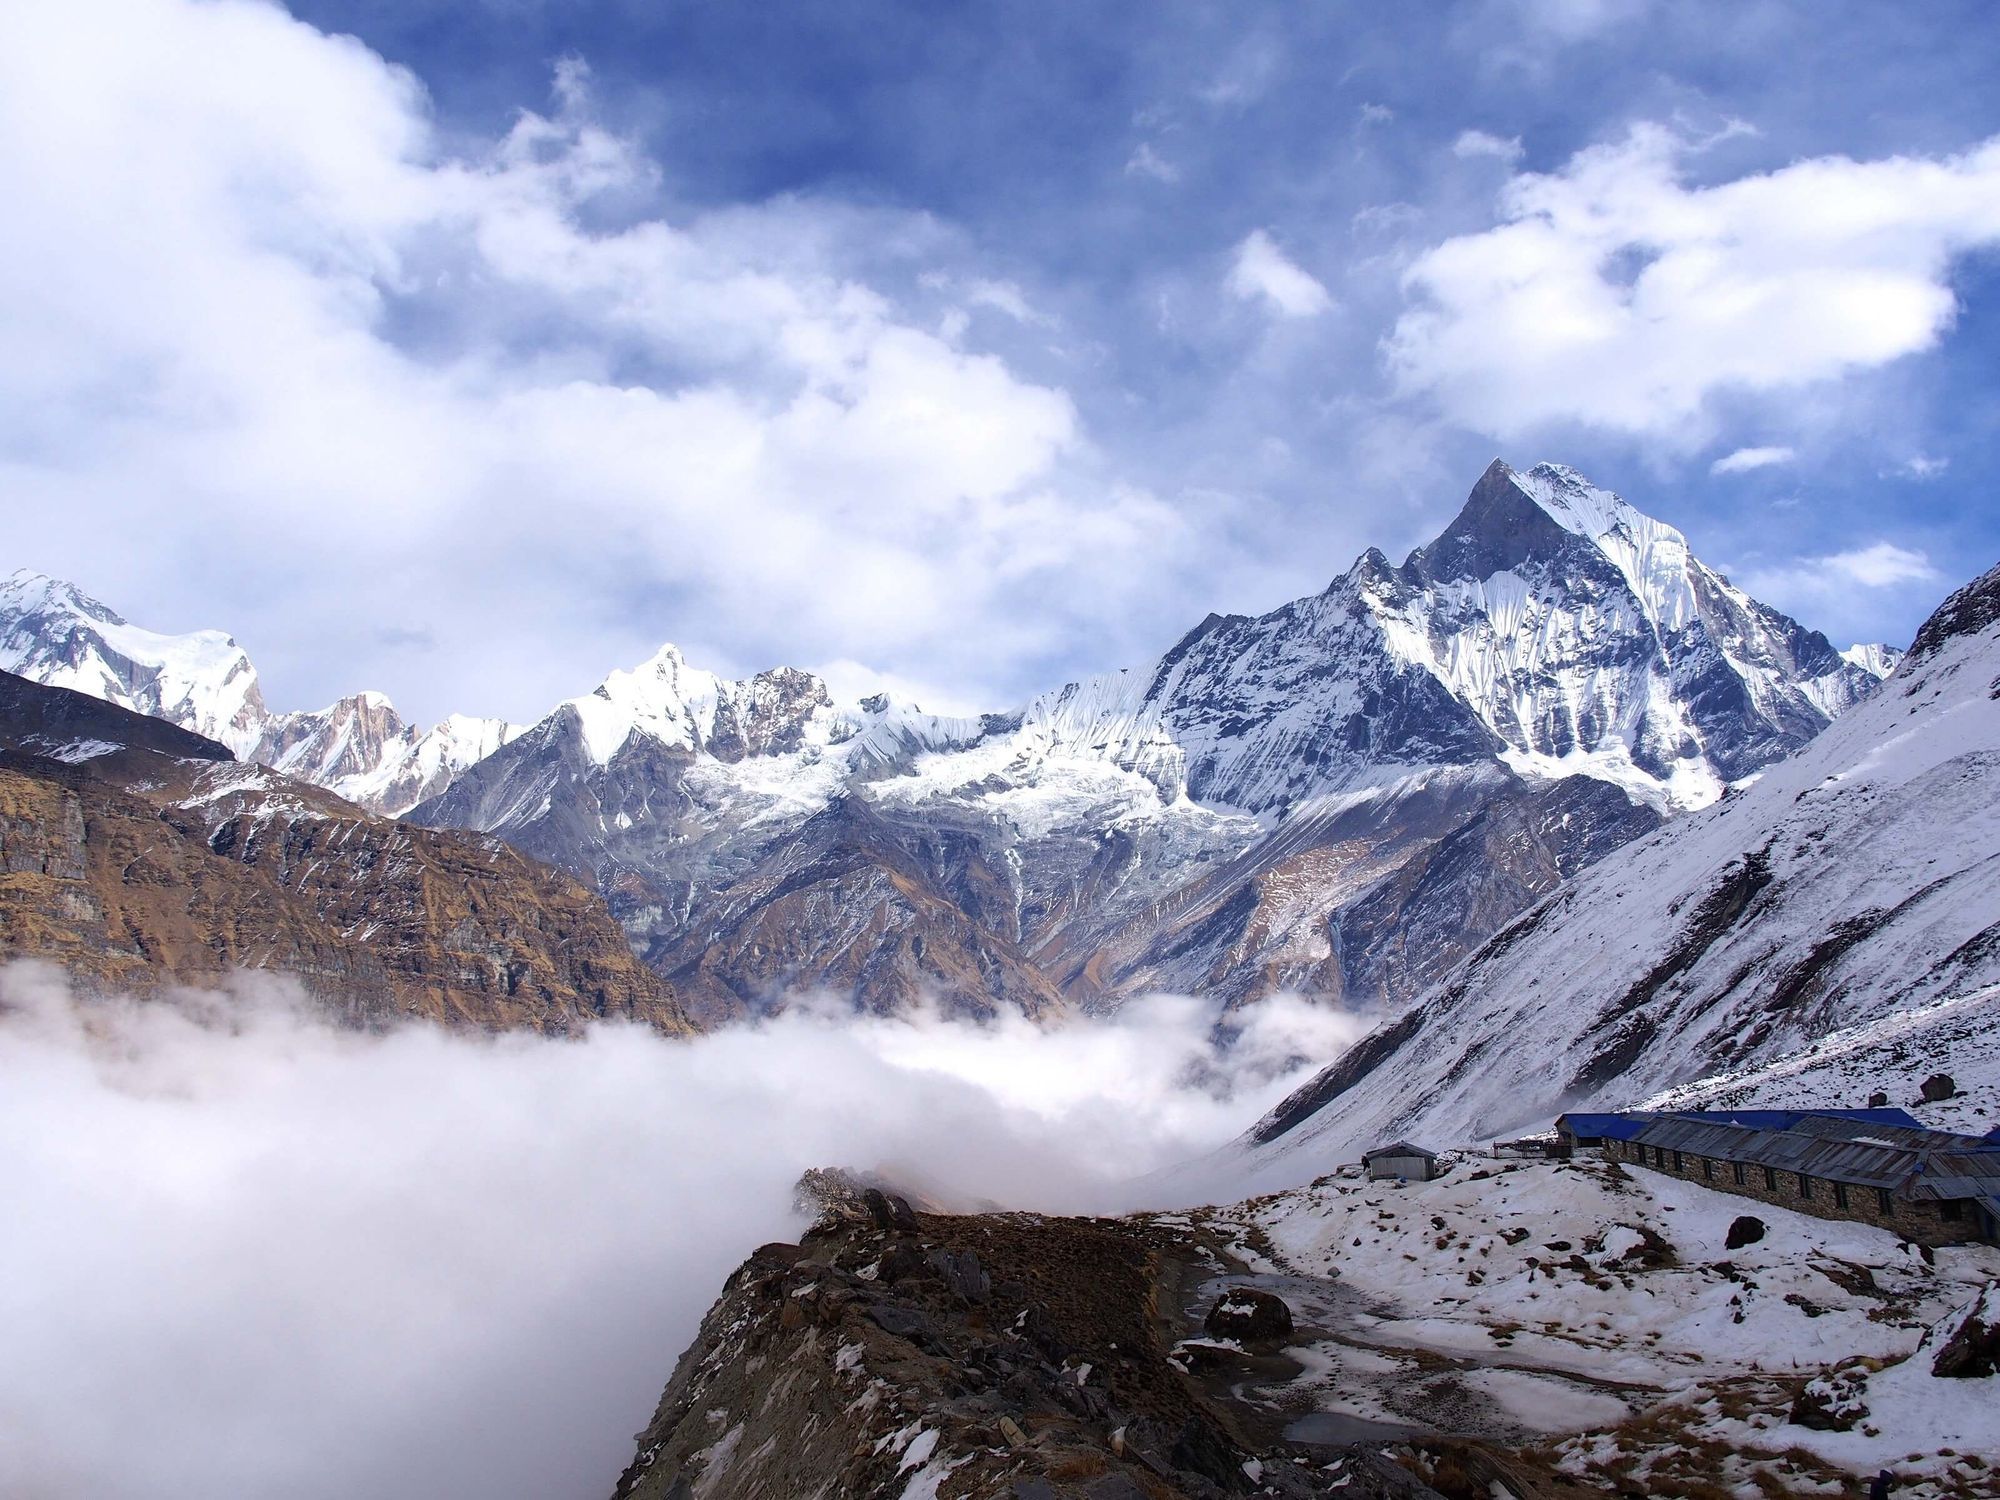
(359, 748)
(54, 633)
(1874, 658)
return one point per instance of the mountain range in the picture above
(138, 854)
(1826, 934)
(1345, 796)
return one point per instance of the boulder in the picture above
(1246, 1314)
(1968, 1342)
(1745, 1229)
(1832, 1402)
(1939, 1087)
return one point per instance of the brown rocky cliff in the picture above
(137, 867)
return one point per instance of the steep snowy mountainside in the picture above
(359, 748)
(53, 633)
(1850, 891)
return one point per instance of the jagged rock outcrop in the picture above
(1001, 1355)
(136, 854)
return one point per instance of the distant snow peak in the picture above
(1876, 659)
(358, 748)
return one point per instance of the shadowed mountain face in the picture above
(136, 854)
(1343, 796)
(1830, 931)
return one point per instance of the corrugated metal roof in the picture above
(1919, 1163)
(1397, 1148)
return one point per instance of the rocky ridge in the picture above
(136, 854)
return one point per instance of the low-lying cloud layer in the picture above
(248, 1254)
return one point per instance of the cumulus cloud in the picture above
(1613, 293)
(250, 1255)
(1922, 466)
(1473, 143)
(1823, 585)
(1743, 460)
(1261, 272)
(493, 390)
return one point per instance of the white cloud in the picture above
(1743, 460)
(1146, 162)
(344, 374)
(1921, 466)
(1818, 585)
(1263, 272)
(1374, 114)
(1474, 143)
(1879, 565)
(1615, 295)
(247, 1255)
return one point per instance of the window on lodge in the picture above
(1840, 1195)
(1950, 1208)
(1736, 1171)
(1884, 1202)
(1707, 1167)
(1679, 1164)
(1805, 1186)
(1770, 1179)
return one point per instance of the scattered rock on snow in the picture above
(1968, 1342)
(1245, 1313)
(1832, 1402)
(1745, 1229)
(1939, 1087)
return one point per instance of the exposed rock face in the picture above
(136, 854)
(1968, 1343)
(1802, 940)
(993, 1355)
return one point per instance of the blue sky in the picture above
(467, 351)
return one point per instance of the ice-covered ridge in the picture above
(54, 633)
(358, 748)
(1874, 658)
(1652, 555)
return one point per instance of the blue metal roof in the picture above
(1613, 1127)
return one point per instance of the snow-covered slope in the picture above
(53, 633)
(1847, 901)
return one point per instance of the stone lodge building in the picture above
(1930, 1186)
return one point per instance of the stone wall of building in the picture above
(1921, 1221)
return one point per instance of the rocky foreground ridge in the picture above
(1539, 1331)
(136, 854)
